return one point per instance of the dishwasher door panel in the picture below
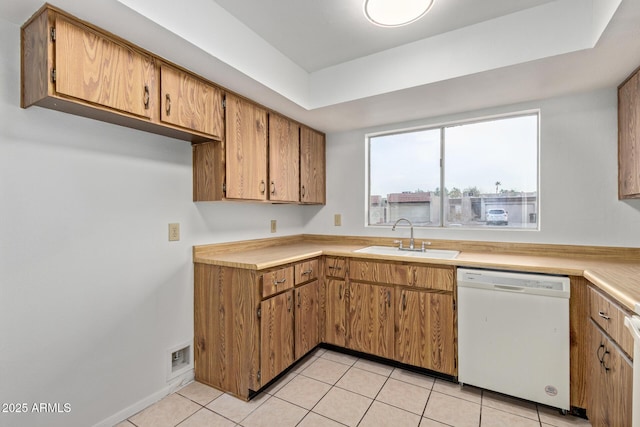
(514, 343)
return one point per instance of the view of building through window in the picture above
(488, 175)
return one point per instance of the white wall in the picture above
(92, 294)
(578, 191)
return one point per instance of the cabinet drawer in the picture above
(379, 272)
(432, 277)
(610, 317)
(277, 281)
(335, 267)
(427, 277)
(306, 271)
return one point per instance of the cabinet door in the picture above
(610, 384)
(629, 138)
(246, 149)
(284, 159)
(98, 70)
(306, 324)
(371, 319)
(312, 166)
(276, 335)
(335, 312)
(189, 102)
(425, 332)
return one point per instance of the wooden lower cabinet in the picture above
(306, 318)
(227, 328)
(371, 319)
(276, 335)
(610, 381)
(251, 325)
(335, 331)
(425, 330)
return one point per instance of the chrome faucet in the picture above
(411, 241)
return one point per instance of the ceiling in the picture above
(322, 63)
(318, 34)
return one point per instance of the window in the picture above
(487, 178)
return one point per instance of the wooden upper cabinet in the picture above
(63, 58)
(312, 167)
(190, 103)
(246, 149)
(284, 153)
(629, 138)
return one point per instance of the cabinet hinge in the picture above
(259, 313)
(52, 34)
(259, 375)
(224, 103)
(53, 75)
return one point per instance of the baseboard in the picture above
(122, 415)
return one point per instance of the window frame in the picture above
(441, 126)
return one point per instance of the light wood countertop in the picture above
(619, 277)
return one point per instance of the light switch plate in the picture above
(273, 225)
(337, 220)
(174, 232)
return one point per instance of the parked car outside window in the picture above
(497, 217)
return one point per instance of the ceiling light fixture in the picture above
(395, 13)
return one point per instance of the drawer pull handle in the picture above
(262, 187)
(602, 362)
(278, 282)
(299, 299)
(289, 305)
(145, 98)
(404, 301)
(332, 267)
(603, 315)
(167, 104)
(598, 353)
(340, 292)
(307, 272)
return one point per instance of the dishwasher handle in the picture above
(508, 288)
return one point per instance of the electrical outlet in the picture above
(337, 220)
(174, 232)
(273, 225)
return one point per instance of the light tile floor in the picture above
(334, 389)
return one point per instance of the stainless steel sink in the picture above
(393, 251)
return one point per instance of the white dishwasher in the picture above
(513, 334)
